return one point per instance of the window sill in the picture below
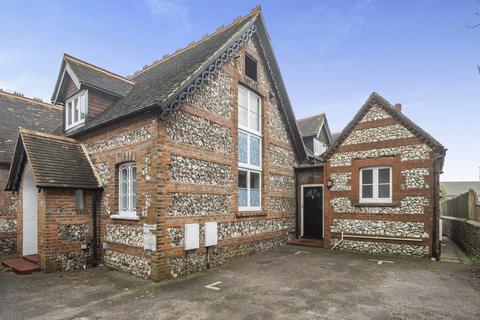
(241, 214)
(124, 217)
(377, 204)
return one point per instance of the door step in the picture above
(23, 265)
(315, 243)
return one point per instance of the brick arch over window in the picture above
(127, 156)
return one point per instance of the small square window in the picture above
(250, 68)
(376, 185)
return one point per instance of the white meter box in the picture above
(211, 234)
(192, 236)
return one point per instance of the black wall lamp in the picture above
(329, 183)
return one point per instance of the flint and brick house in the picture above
(18, 111)
(198, 159)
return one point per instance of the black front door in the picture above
(313, 212)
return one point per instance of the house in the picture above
(184, 165)
(18, 111)
(315, 134)
(377, 190)
(197, 159)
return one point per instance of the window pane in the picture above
(242, 147)
(254, 121)
(254, 104)
(124, 204)
(83, 104)
(242, 179)
(242, 189)
(124, 174)
(384, 191)
(134, 172)
(254, 151)
(69, 113)
(367, 176)
(243, 116)
(254, 189)
(384, 175)
(367, 191)
(242, 107)
(75, 110)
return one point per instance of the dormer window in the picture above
(76, 110)
(318, 147)
(250, 68)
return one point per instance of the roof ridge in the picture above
(47, 135)
(192, 44)
(20, 96)
(313, 116)
(90, 65)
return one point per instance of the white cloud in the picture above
(169, 8)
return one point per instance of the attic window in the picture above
(76, 109)
(250, 68)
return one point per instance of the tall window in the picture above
(376, 185)
(127, 189)
(249, 150)
(76, 109)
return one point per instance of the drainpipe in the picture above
(436, 173)
(96, 227)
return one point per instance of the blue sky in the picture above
(333, 54)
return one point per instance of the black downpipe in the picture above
(96, 228)
(436, 176)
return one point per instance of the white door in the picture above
(30, 214)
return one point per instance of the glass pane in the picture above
(254, 198)
(123, 188)
(384, 175)
(254, 121)
(243, 116)
(123, 203)
(124, 174)
(254, 151)
(254, 104)
(69, 113)
(242, 197)
(367, 191)
(75, 110)
(384, 191)
(134, 172)
(367, 176)
(242, 97)
(242, 147)
(83, 105)
(254, 180)
(242, 179)
(242, 107)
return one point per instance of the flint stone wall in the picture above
(276, 124)
(409, 205)
(126, 138)
(281, 204)
(197, 261)
(199, 132)
(215, 96)
(236, 229)
(380, 228)
(278, 156)
(415, 178)
(128, 263)
(341, 181)
(8, 224)
(375, 113)
(71, 261)
(407, 153)
(71, 233)
(129, 235)
(194, 171)
(7, 245)
(189, 204)
(381, 248)
(377, 134)
(281, 183)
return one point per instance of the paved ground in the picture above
(284, 283)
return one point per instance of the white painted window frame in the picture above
(375, 184)
(249, 168)
(249, 207)
(131, 210)
(78, 96)
(318, 147)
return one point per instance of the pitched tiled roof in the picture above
(18, 111)
(55, 161)
(335, 136)
(156, 83)
(375, 98)
(310, 126)
(99, 78)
